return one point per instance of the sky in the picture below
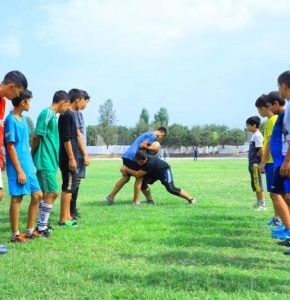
(205, 61)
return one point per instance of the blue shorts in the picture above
(31, 185)
(131, 164)
(269, 171)
(280, 185)
(256, 178)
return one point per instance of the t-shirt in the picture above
(287, 120)
(149, 137)
(154, 165)
(80, 123)
(2, 114)
(67, 132)
(17, 131)
(256, 142)
(278, 144)
(267, 134)
(46, 154)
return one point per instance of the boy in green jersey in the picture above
(45, 153)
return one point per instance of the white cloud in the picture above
(10, 46)
(146, 25)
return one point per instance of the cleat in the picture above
(19, 239)
(279, 229)
(45, 232)
(110, 200)
(192, 201)
(68, 223)
(285, 243)
(274, 222)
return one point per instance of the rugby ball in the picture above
(155, 144)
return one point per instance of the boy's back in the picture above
(256, 142)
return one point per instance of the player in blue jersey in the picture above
(280, 188)
(144, 142)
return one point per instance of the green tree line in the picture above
(178, 135)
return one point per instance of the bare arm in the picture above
(15, 161)
(131, 172)
(35, 144)
(285, 168)
(72, 164)
(82, 147)
(265, 157)
(145, 146)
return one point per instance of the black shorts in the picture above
(280, 185)
(69, 181)
(81, 168)
(131, 164)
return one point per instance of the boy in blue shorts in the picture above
(255, 156)
(280, 188)
(267, 164)
(44, 150)
(144, 142)
(20, 169)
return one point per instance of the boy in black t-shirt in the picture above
(152, 169)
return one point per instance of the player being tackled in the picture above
(152, 169)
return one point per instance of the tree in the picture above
(194, 136)
(125, 135)
(107, 123)
(179, 136)
(161, 118)
(143, 123)
(92, 135)
(237, 137)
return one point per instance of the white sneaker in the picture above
(261, 208)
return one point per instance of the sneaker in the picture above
(274, 222)
(19, 239)
(109, 200)
(34, 235)
(287, 252)
(3, 249)
(192, 201)
(45, 232)
(279, 229)
(261, 208)
(285, 243)
(282, 236)
(68, 223)
(256, 205)
(136, 202)
(150, 202)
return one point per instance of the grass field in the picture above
(218, 249)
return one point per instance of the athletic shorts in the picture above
(31, 185)
(131, 164)
(47, 181)
(269, 171)
(69, 181)
(1, 181)
(256, 178)
(81, 168)
(280, 185)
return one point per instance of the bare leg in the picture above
(137, 189)
(33, 209)
(282, 209)
(147, 194)
(185, 195)
(119, 186)
(65, 207)
(260, 196)
(49, 198)
(14, 212)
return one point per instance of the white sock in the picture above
(14, 234)
(29, 231)
(39, 211)
(44, 216)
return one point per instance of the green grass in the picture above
(217, 249)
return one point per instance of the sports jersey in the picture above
(256, 142)
(149, 137)
(46, 154)
(80, 123)
(267, 134)
(154, 165)
(2, 114)
(278, 144)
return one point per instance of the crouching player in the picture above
(152, 169)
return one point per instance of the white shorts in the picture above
(1, 181)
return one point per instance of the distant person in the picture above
(255, 156)
(195, 153)
(144, 142)
(267, 164)
(13, 84)
(20, 169)
(152, 169)
(45, 152)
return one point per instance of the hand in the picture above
(72, 165)
(21, 178)
(285, 169)
(262, 167)
(86, 160)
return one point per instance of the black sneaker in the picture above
(192, 201)
(44, 233)
(287, 252)
(150, 202)
(285, 243)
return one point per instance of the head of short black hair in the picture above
(17, 78)
(75, 94)
(59, 96)
(23, 96)
(86, 95)
(261, 101)
(275, 97)
(141, 155)
(255, 120)
(284, 78)
(162, 129)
